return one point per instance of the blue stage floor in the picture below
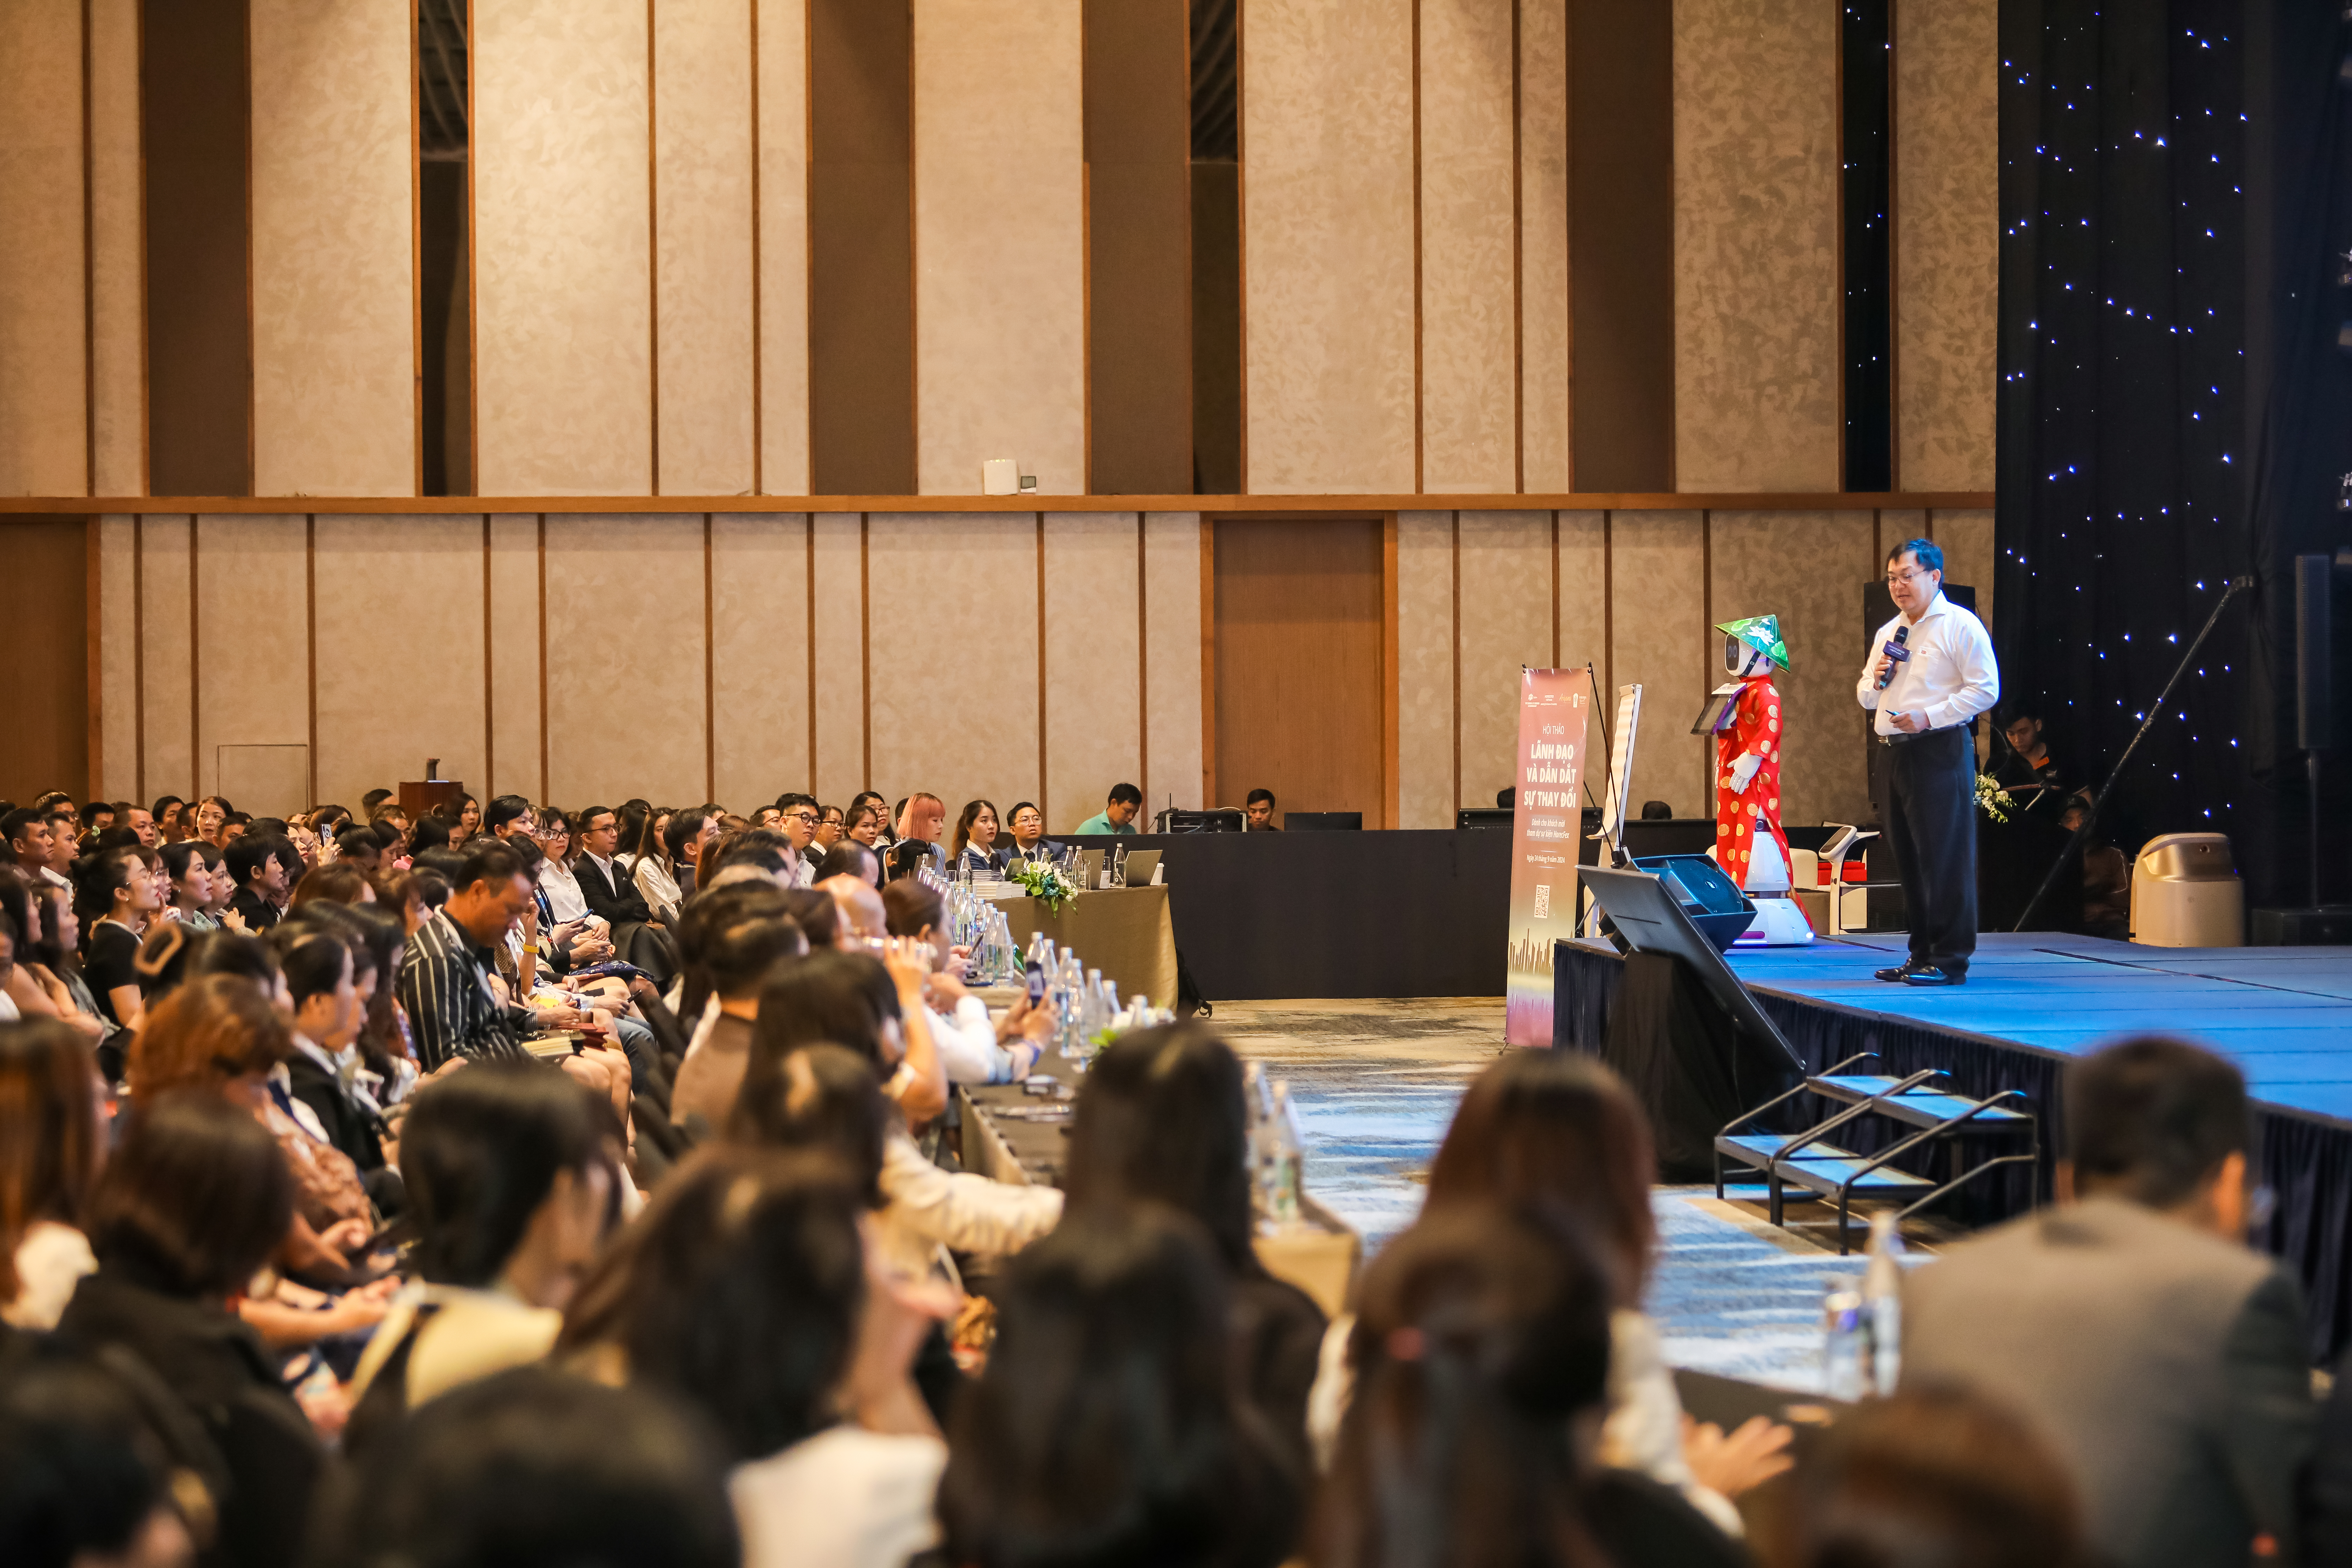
(2283, 1013)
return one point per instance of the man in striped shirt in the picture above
(444, 974)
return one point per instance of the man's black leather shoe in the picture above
(1901, 972)
(1928, 975)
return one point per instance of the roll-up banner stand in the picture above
(1555, 706)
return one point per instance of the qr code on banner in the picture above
(1543, 900)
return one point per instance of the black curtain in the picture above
(2172, 403)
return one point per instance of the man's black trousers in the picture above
(1926, 799)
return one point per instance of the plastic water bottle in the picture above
(1882, 1302)
(1845, 1342)
(1288, 1163)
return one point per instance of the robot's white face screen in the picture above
(1735, 655)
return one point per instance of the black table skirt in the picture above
(1265, 916)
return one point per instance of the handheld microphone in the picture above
(1896, 653)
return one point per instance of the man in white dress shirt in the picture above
(1926, 778)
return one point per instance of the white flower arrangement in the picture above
(1042, 879)
(1994, 800)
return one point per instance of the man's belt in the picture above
(1902, 738)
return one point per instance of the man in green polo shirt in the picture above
(1118, 816)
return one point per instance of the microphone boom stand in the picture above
(2072, 853)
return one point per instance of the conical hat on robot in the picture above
(1761, 633)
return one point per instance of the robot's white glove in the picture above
(1743, 772)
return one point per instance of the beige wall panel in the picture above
(1543, 242)
(167, 670)
(784, 247)
(1327, 242)
(1966, 538)
(644, 575)
(43, 450)
(702, 234)
(1897, 523)
(1506, 623)
(1094, 731)
(1807, 568)
(1468, 405)
(1174, 624)
(1946, 229)
(1000, 244)
(1659, 619)
(838, 551)
(1425, 652)
(519, 763)
(563, 335)
(955, 655)
(253, 653)
(760, 656)
(1755, 272)
(1584, 598)
(334, 340)
(398, 594)
(118, 355)
(118, 661)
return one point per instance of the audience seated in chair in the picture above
(2132, 1326)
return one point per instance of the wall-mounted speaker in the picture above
(2313, 720)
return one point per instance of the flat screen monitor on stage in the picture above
(1646, 915)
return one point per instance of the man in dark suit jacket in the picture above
(612, 893)
(2157, 1352)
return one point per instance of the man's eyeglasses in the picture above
(1897, 579)
(800, 815)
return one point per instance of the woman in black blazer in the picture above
(974, 848)
(194, 1200)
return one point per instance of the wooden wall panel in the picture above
(1000, 244)
(563, 314)
(1966, 538)
(1621, 238)
(1094, 729)
(167, 699)
(861, 284)
(839, 687)
(1583, 622)
(1327, 247)
(43, 450)
(1947, 230)
(334, 288)
(1138, 230)
(117, 260)
(1468, 403)
(1298, 676)
(252, 643)
(630, 673)
(49, 726)
(195, 111)
(759, 646)
(1757, 365)
(1543, 245)
(783, 280)
(397, 597)
(118, 658)
(1427, 638)
(1661, 640)
(1175, 622)
(953, 637)
(702, 237)
(1807, 568)
(523, 636)
(1505, 575)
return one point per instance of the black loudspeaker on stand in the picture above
(2315, 732)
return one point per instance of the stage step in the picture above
(1919, 1107)
(1821, 1168)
